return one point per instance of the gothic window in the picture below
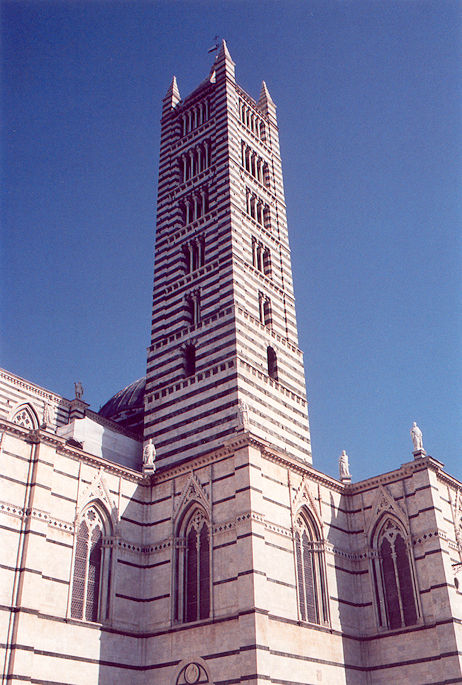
(194, 672)
(195, 117)
(251, 120)
(194, 161)
(272, 363)
(88, 564)
(193, 308)
(311, 578)
(25, 417)
(261, 257)
(195, 206)
(194, 254)
(193, 568)
(267, 312)
(254, 164)
(393, 576)
(189, 360)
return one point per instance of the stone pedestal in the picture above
(418, 454)
(77, 409)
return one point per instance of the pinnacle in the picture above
(265, 97)
(173, 94)
(223, 52)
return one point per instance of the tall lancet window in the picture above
(394, 579)
(311, 575)
(193, 568)
(88, 567)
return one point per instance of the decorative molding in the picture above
(385, 503)
(193, 491)
(97, 490)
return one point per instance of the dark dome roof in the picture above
(127, 406)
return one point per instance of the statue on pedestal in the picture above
(243, 416)
(149, 455)
(416, 435)
(47, 420)
(78, 387)
(344, 467)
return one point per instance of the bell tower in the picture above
(224, 350)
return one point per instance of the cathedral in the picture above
(181, 534)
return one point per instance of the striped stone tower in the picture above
(224, 353)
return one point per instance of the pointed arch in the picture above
(194, 670)
(92, 566)
(192, 564)
(310, 569)
(393, 573)
(25, 415)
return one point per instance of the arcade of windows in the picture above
(194, 254)
(195, 160)
(195, 116)
(251, 120)
(392, 568)
(254, 164)
(194, 206)
(257, 209)
(261, 257)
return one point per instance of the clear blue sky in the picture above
(369, 107)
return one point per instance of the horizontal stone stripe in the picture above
(196, 449)
(140, 599)
(160, 436)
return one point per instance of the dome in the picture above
(126, 407)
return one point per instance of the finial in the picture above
(215, 47)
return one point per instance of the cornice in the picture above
(33, 388)
(62, 448)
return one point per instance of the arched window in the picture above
(189, 360)
(311, 577)
(395, 587)
(26, 417)
(272, 362)
(88, 566)
(193, 568)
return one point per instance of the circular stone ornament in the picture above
(192, 673)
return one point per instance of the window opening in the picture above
(272, 363)
(189, 360)
(311, 584)
(193, 604)
(397, 578)
(87, 567)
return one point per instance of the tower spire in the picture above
(265, 102)
(224, 61)
(172, 96)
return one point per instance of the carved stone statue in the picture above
(78, 387)
(416, 435)
(47, 420)
(149, 453)
(243, 416)
(344, 467)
